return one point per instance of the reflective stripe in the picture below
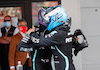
(65, 57)
(34, 56)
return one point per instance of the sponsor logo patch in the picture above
(35, 40)
(68, 40)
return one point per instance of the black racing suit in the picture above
(42, 56)
(60, 41)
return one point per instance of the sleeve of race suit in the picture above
(54, 38)
(25, 44)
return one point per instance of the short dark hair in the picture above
(7, 16)
(20, 20)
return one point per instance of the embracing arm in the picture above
(55, 38)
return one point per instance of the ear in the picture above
(17, 26)
(11, 21)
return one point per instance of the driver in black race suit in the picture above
(59, 38)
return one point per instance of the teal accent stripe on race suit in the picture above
(65, 57)
(34, 56)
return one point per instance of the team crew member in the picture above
(59, 38)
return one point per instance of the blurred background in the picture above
(85, 15)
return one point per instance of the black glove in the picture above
(76, 45)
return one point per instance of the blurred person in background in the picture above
(5, 37)
(14, 54)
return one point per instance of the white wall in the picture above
(90, 24)
(90, 3)
(89, 58)
(72, 7)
